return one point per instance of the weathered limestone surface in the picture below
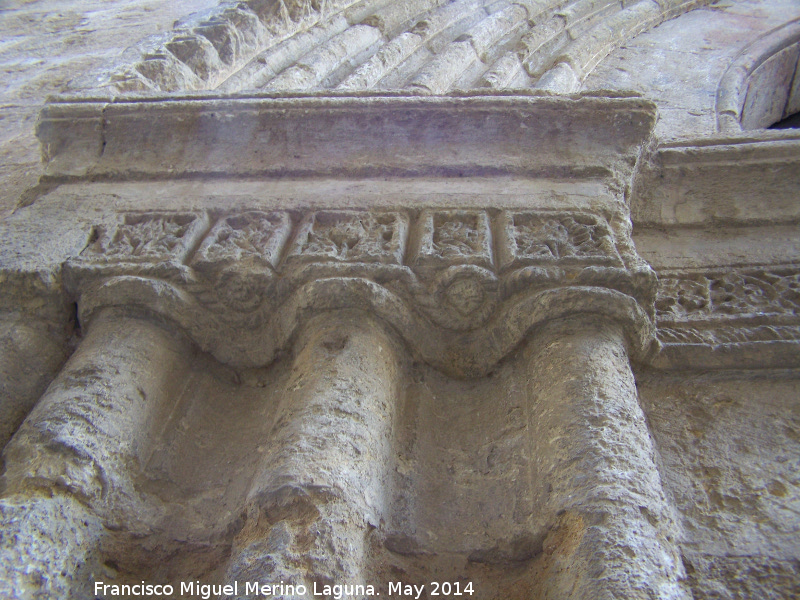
(610, 530)
(728, 444)
(45, 45)
(323, 487)
(352, 293)
(31, 356)
(79, 453)
(698, 67)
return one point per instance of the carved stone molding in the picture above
(479, 134)
(772, 293)
(448, 280)
(694, 182)
(433, 275)
(724, 317)
(741, 100)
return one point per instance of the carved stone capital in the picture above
(461, 286)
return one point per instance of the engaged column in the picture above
(324, 484)
(610, 526)
(71, 467)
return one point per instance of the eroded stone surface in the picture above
(681, 62)
(728, 445)
(45, 46)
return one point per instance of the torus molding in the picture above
(461, 286)
(738, 313)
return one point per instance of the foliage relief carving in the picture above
(542, 238)
(733, 293)
(249, 237)
(147, 237)
(351, 236)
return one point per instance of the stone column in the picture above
(600, 494)
(324, 483)
(71, 466)
(30, 356)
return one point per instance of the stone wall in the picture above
(46, 45)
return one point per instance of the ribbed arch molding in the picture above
(421, 46)
(761, 87)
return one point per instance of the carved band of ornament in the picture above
(441, 238)
(442, 261)
(772, 293)
(716, 336)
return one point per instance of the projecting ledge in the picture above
(577, 136)
(748, 179)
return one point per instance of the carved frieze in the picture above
(441, 239)
(444, 264)
(350, 236)
(556, 238)
(454, 257)
(721, 295)
(436, 270)
(680, 297)
(729, 317)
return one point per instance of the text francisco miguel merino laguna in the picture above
(255, 588)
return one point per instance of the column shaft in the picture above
(78, 453)
(601, 497)
(30, 356)
(324, 483)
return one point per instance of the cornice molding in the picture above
(581, 137)
(750, 178)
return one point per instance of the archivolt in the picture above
(422, 46)
(761, 86)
